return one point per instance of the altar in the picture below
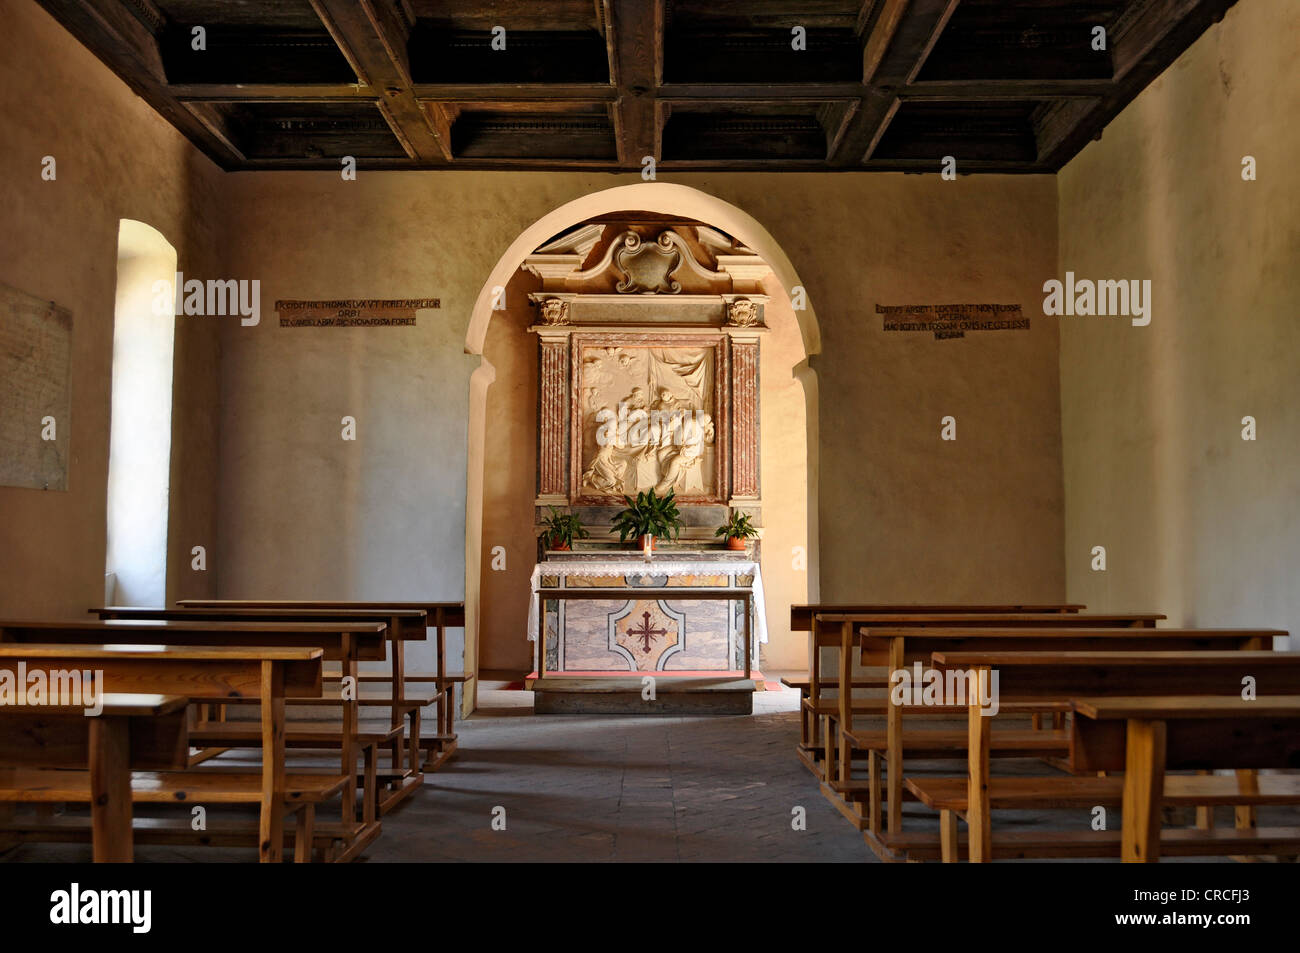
(647, 634)
(649, 335)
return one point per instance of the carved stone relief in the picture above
(647, 420)
(555, 311)
(742, 313)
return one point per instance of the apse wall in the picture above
(1197, 522)
(904, 515)
(114, 158)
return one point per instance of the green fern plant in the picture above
(563, 528)
(648, 515)
(737, 527)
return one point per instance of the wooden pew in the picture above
(1196, 732)
(1042, 675)
(347, 642)
(440, 616)
(900, 647)
(260, 675)
(130, 733)
(836, 630)
(801, 620)
(405, 703)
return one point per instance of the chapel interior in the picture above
(850, 430)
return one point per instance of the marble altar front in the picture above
(647, 634)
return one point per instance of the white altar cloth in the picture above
(665, 566)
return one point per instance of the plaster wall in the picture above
(1197, 522)
(115, 158)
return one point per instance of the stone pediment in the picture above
(642, 260)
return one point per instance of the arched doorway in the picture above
(791, 309)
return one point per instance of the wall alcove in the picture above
(697, 273)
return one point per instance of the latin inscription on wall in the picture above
(952, 320)
(352, 312)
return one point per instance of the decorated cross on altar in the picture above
(645, 633)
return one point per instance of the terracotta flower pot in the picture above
(560, 547)
(641, 542)
(736, 543)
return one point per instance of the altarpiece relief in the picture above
(647, 417)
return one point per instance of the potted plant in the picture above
(736, 530)
(563, 528)
(648, 516)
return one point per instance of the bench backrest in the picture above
(202, 673)
(362, 641)
(404, 624)
(448, 614)
(801, 616)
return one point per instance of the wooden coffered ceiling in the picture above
(887, 85)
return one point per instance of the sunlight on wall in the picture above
(140, 435)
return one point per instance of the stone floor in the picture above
(610, 788)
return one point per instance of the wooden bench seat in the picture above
(1214, 729)
(1043, 845)
(450, 677)
(53, 785)
(439, 616)
(1010, 793)
(337, 842)
(834, 628)
(217, 674)
(881, 706)
(347, 641)
(948, 743)
(901, 647)
(297, 734)
(376, 699)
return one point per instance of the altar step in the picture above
(568, 694)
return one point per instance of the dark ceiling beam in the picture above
(900, 38)
(1146, 40)
(372, 35)
(706, 92)
(271, 92)
(990, 90)
(634, 35)
(130, 49)
(513, 92)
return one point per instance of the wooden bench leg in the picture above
(110, 790)
(413, 743)
(948, 836)
(1144, 781)
(828, 759)
(875, 791)
(1205, 812)
(1247, 781)
(369, 755)
(302, 848)
(270, 838)
(979, 820)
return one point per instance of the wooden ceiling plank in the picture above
(371, 35)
